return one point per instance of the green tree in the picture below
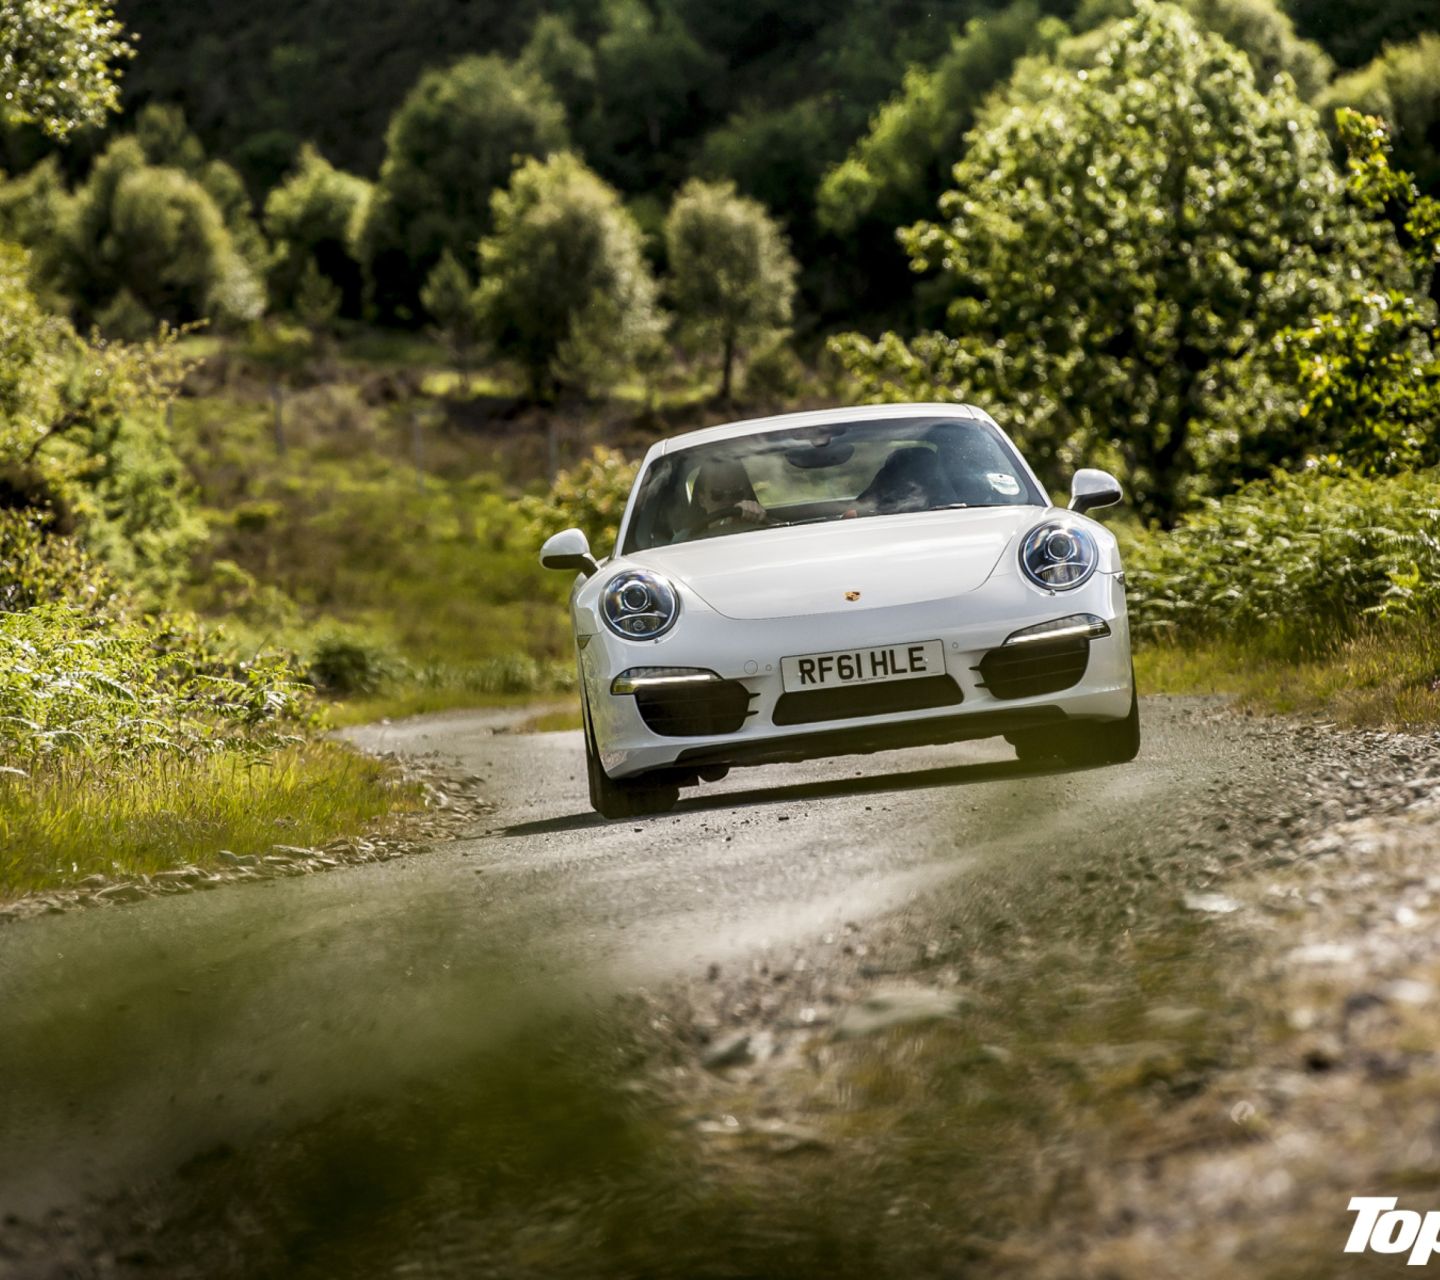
(82, 434)
(168, 142)
(454, 140)
(449, 298)
(57, 63)
(564, 273)
(897, 170)
(1117, 245)
(653, 79)
(315, 215)
(156, 234)
(1363, 382)
(1402, 87)
(732, 278)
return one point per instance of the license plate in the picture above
(862, 666)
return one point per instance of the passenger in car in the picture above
(911, 479)
(722, 498)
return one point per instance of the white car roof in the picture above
(819, 418)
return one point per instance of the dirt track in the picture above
(828, 985)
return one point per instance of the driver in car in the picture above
(722, 487)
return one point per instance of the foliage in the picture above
(1402, 87)
(72, 682)
(315, 216)
(1364, 381)
(1355, 31)
(449, 298)
(732, 278)
(897, 170)
(156, 233)
(1117, 245)
(590, 496)
(81, 433)
(347, 661)
(317, 299)
(564, 274)
(454, 140)
(168, 142)
(1299, 561)
(653, 77)
(57, 63)
(39, 567)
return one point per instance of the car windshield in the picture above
(840, 471)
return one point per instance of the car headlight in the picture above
(639, 605)
(1059, 556)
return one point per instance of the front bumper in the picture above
(749, 652)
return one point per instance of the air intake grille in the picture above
(1036, 667)
(694, 710)
(883, 698)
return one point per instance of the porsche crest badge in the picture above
(852, 595)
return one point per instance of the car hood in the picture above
(889, 560)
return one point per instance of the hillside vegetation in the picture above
(298, 364)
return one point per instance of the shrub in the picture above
(36, 567)
(74, 682)
(157, 233)
(591, 496)
(315, 215)
(1297, 562)
(347, 661)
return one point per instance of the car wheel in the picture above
(1083, 743)
(611, 799)
(1112, 742)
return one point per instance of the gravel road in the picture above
(695, 995)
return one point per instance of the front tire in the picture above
(1084, 742)
(611, 799)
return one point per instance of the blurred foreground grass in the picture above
(1388, 675)
(78, 817)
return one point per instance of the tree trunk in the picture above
(725, 374)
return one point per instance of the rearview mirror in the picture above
(1092, 488)
(568, 549)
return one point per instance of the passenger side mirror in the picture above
(1092, 488)
(568, 549)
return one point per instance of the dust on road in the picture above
(868, 1016)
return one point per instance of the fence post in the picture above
(277, 393)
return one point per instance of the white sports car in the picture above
(854, 580)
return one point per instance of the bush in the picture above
(591, 496)
(345, 661)
(157, 233)
(314, 216)
(1296, 562)
(74, 682)
(37, 567)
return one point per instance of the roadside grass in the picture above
(78, 817)
(1388, 676)
(409, 700)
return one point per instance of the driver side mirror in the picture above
(568, 549)
(1092, 488)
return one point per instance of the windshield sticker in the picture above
(1002, 483)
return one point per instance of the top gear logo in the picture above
(1385, 1229)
